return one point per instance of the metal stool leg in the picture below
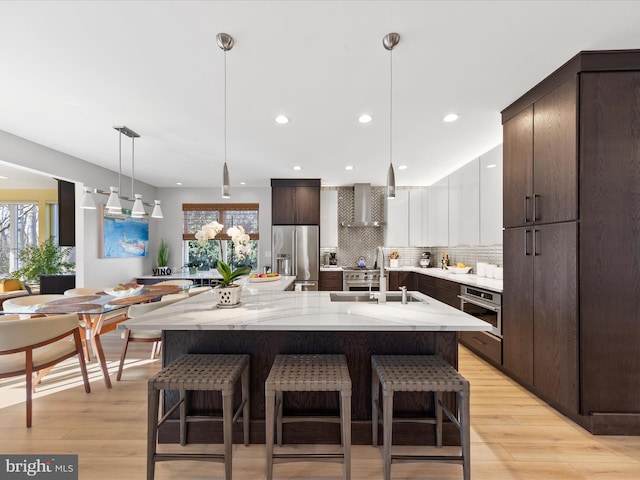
(437, 398)
(465, 433)
(227, 427)
(345, 421)
(375, 404)
(183, 418)
(246, 415)
(153, 402)
(270, 407)
(387, 427)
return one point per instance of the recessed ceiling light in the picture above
(2, 177)
(493, 165)
(178, 183)
(365, 118)
(282, 119)
(349, 167)
(402, 167)
(297, 168)
(452, 117)
(243, 183)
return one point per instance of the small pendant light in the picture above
(157, 211)
(225, 42)
(390, 41)
(87, 200)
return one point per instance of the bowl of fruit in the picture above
(264, 277)
(459, 268)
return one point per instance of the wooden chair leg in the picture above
(29, 374)
(83, 365)
(123, 353)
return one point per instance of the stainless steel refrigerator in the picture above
(295, 250)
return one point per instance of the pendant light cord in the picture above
(133, 141)
(225, 106)
(119, 162)
(391, 107)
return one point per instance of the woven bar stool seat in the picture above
(307, 373)
(199, 372)
(419, 373)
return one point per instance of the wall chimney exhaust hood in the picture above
(362, 207)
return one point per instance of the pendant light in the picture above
(113, 204)
(225, 42)
(87, 200)
(157, 211)
(390, 41)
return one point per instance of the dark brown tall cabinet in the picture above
(295, 201)
(571, 316)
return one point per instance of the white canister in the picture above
(489, 269)
(497, 273)
(481, 269)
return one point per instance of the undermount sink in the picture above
(366, 298)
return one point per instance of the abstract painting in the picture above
(124, 236)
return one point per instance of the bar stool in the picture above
(307, 373)
(201, 372)
(419, 373)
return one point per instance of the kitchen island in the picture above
(271, 322)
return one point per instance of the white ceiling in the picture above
(73, 70)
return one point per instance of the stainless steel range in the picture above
(360, 279)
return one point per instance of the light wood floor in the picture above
(514, 435)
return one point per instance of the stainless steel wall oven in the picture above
(483, 304)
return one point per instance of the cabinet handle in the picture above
(526, 208)
(535, 243)
(527, 252)
(535, 207)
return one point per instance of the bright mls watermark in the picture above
(39, 467)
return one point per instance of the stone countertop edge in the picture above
(461, 278)
(273, 309)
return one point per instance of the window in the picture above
(18, 228)
(228, 214)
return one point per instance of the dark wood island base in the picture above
(358, 346)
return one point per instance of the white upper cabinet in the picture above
(464, 205)
(491, 197)
(417, 217)
(438, 213)
(397, 219)
(328, 218)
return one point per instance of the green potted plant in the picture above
(193, 267)
(163, 260)
(48, 259)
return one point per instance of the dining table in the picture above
(98, 313)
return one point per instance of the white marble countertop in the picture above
(462, 278)
(271, 309)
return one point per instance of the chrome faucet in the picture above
(382, 298)
(403, 289)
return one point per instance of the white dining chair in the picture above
(81, 291)
(33, 344)
(180, 283)
(24, 305)
(148, 336)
